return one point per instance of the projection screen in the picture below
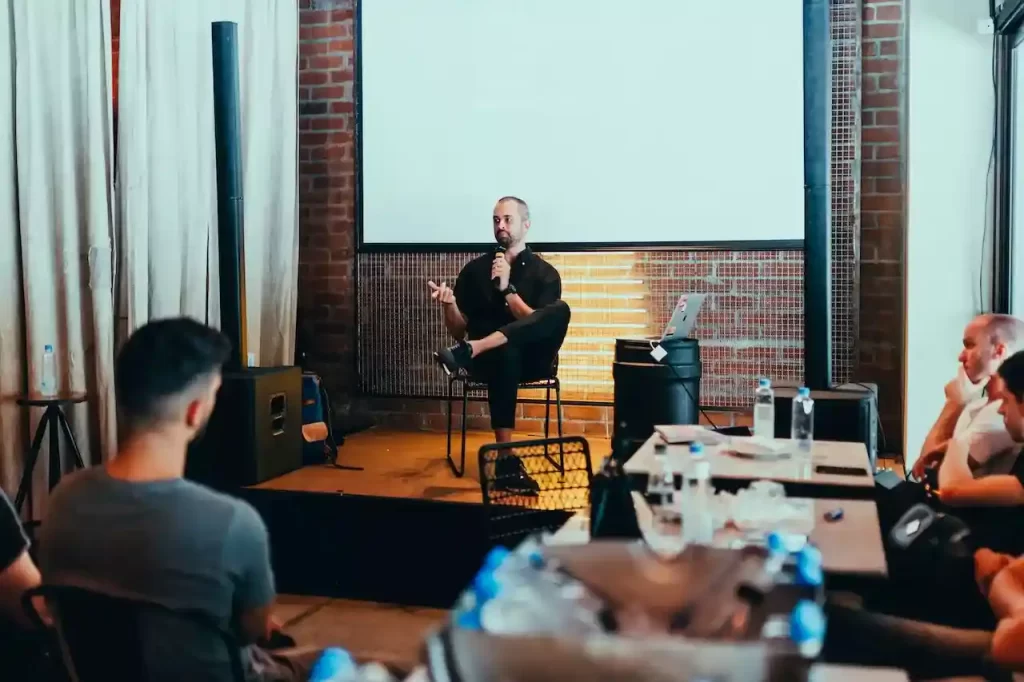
(649, 123)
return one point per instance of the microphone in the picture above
(498, 250)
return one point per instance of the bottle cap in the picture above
(696, 449)
(486, 586)
(764, 382)
(803, 392)
(806, 623)
(776, 543)
(469, 620)
(808, 566)
(496, 557)
(47, 348)
(332, 664)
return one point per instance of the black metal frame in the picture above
(54, 421)
(1008, 22)
(469, 384)
(363, 247)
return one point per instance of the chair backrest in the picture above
(562, 471)
(104, 638)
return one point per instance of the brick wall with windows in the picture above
(328, 265)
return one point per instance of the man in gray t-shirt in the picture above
(135, 528)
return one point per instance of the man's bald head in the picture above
(988, 340)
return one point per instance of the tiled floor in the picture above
(386, 633)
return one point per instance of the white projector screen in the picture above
(652, 122)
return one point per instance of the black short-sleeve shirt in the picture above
(486, 311)
(12, 538)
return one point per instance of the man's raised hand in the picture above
(442, 293)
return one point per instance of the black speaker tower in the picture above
(227, 129)
(255, 432)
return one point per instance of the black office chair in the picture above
(470, 385)
(104, 638)
(514, 513)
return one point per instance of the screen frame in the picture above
(362, 246)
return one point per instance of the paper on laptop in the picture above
(689, 433)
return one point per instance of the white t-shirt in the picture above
(980, 434)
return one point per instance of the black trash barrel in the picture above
(650, 393)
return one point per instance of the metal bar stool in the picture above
(53, 420)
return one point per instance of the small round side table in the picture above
(53, 420)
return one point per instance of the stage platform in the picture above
(404, 530)
(403, 465)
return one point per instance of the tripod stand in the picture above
(53, 420)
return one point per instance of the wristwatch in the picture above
(510, 289)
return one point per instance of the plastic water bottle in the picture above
(695, 505)
(661, 487)
(764, 409)
(807, 628)
(48, 380)
(802, 426)
(333, 664)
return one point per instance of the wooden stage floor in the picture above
(403, 464)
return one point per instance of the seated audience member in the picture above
(24, 651)
(135, 528)
(968, 439)
(507, 332)
(17, 571)
(998, 490)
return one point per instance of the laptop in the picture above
(684, 316)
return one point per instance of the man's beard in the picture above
(504, 239)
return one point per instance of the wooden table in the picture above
(849, 547)
(801, 478)
(826, 672)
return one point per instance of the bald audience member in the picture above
(969, 440)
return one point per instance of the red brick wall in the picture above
(327, 175)
(882, 211)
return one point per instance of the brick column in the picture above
(327, 197)
(880, 356)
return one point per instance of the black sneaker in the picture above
(457, 359)
(510, 476)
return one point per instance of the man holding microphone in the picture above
(507, 315)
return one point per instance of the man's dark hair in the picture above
(524, 208)
(1011, 371)
(160, 364)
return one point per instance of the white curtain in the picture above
(56, 221)
(166, 165)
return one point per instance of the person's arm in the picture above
(991, 491)
(517, 306)
(550, 291)
(249, 551)
(1006, 590)
(454, 319)
(1008, 643)
(17, 571)
(19, 577)
(941, 431)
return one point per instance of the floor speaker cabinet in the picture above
(847, 413)
(255, 432)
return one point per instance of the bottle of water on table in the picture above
(48, 378)
(695, 499)
(764, 409)
(802, 425)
